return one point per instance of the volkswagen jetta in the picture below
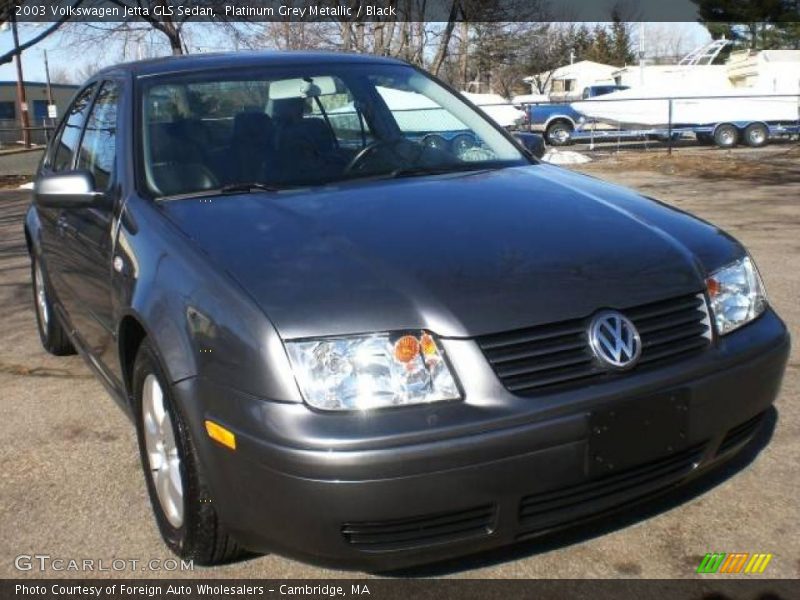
(355, 321)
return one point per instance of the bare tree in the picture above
(62, 75)
(7, 13)
(169, 30)
(304, 35)
(445, 37)
(664, 43)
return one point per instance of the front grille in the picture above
(426, 530)
(550, 509)
(558, 354)
(740, 434)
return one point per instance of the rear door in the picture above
(61, 158)
(90, 231)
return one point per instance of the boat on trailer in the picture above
(697, 93)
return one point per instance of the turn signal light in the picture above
(713, 287)
(427, 345)
(219, 434)
(406, 349)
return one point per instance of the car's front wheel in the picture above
(51, 332)
(178, 492)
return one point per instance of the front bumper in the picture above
(372, 499)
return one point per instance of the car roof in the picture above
(226, 60)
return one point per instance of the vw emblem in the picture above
(614, 340)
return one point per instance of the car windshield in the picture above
(275, 128)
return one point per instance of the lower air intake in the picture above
(420, 531)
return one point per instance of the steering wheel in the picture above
(367, 152)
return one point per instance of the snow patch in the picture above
(565, 157)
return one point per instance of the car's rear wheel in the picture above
(178, 492)
(52, 334)
(559, 133)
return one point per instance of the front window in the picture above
(308, 126)
(98, 147)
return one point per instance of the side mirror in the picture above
(73, 189)
(532, 142)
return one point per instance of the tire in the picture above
(52, 334)
(434, 142)
(186, 517)
(726, 136)
(462, 143)
(756, 135)
(559, 133)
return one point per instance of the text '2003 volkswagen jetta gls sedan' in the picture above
(355, 322)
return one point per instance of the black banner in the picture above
(406, 589)
(179, 11)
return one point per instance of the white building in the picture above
(568, 82)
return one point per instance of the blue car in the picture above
(558, 120)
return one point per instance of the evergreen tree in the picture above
(756, 24)
(601, 50)
(620, 42)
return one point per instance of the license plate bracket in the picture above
(637, 431)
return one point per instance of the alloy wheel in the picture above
(41, 297)
(162, 451)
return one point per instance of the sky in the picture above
(690, 35)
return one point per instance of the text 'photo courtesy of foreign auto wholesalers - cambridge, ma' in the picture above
(399, 298)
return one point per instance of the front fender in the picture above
(559, 117)
(33, 231)
(199, 319)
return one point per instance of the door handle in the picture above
(64, 226)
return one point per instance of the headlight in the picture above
(371, 371)
(737, 295)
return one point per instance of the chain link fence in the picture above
(12, 135)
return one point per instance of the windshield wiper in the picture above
(244, 187)
(415, 171)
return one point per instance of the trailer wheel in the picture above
(726, 136)
(756, 135)
(559, 133)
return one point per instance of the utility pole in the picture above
(51, 107)
(21, 100)
(47, 75)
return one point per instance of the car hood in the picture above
(458, 254)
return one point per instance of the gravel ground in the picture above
(71, 485)
(19, 163)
